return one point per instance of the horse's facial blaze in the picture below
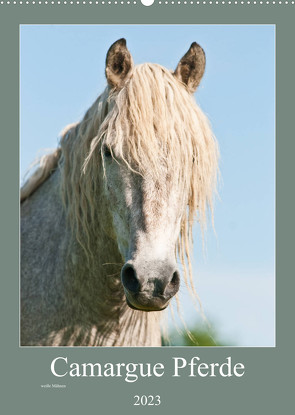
(146, 219)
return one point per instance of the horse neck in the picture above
(95, 275)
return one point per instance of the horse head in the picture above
(153, 145)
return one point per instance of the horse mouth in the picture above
(145, 308)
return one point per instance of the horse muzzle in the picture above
(149, 286)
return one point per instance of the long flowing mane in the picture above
(152, 116)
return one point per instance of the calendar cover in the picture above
(146, 168)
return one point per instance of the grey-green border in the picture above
(265, 387)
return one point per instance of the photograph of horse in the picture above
(106, 218)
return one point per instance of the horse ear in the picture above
(118, 64)
(191, 67)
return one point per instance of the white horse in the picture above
(105, 216)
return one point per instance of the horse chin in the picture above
(145, 308)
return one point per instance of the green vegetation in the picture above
(198, 336)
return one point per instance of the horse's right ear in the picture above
(118, 64)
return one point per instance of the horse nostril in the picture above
(175, 281)
(129, 278)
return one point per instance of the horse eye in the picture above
(107, 152)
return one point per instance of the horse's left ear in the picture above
(191, 67)
(118, 64)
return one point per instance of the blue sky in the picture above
(62, 72)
